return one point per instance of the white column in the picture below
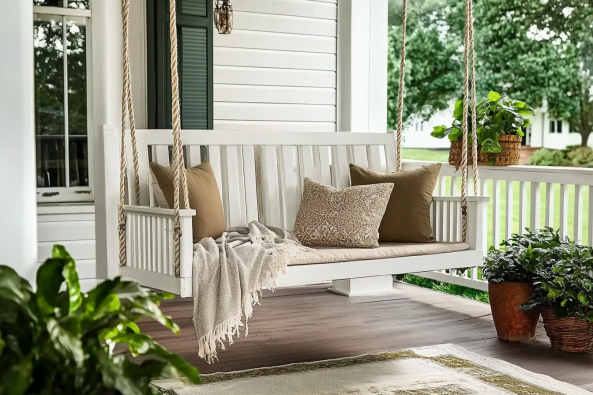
(107, 80)
(18, 206)
(362, 65)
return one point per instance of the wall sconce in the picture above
(223, 16)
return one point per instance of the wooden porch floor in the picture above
(310, 324)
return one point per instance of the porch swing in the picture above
(156, 244)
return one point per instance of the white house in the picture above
(289, 65)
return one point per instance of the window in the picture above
(555, 126)
(194, 30)
(61, 48)
(419, 126)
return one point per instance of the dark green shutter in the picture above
(194, 31)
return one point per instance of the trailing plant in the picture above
(521, 256)
(496, 115)
(565, 282)
(58, 340)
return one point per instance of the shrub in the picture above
(58, 340)
(578, 155)
(545, 157)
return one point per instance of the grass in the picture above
(468, 293)
(442, 155)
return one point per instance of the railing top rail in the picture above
(546, 174)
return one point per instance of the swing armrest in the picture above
(444, 226)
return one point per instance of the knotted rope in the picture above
(127, 110)
(400, 94)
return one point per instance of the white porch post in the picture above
(362, 65)
(18, 206)
(107, 80)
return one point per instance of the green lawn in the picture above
(442, 156)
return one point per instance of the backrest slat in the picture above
(232, 181)
(340, 167)
(358, 155)
(194, 157)
(250, 184)
(290, 186)
(374, 158)
(322, 153)
(390, 158)
(215, 156)
(272, 209)
(307, 164)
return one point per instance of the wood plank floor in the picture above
(310, 324)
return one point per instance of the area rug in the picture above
(435, 370)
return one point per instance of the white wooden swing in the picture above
(156, 245)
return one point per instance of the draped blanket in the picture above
(228, 276)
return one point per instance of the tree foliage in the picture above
(537, 51)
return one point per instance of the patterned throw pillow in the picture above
(347, 218)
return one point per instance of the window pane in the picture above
(49, 102)
(80, 4)
(77, 102)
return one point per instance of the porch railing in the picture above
(522, 197)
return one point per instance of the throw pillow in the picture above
(347, 218)
(407, 217)
(204, 197)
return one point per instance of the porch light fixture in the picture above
(223, 16)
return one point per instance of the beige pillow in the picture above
(347, 218)
(204, 197)
(407, 217)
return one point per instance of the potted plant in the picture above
(564, 291)
(500, 124)
(510, 274)
(58, 340)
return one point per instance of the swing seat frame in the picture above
(285, 159)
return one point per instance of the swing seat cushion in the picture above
(407, 217)
(385, 251)
(204, 197)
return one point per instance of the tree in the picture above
(432, 61)
(538, 51)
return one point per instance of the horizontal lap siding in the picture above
(74, 228)
(277, 70)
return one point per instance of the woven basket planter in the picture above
(568, 334)
(510, 150)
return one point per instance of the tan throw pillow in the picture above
(157, 191)
(347, 218)
(407, 218)
(204, 197)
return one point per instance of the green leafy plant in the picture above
(496, 115)
(545, 157)
(58, 340)
(579, 156)
(519, 257)
(564, 282)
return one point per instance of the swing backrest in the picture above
(285, 159)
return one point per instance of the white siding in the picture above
(277, 70)
(72, 226)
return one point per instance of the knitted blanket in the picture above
(228, 276)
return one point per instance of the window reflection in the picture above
(49, 102)
(79, 4)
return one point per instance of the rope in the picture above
(400, 95)
(178, 162)
(127, 112)
(467, 58)
(474, 110)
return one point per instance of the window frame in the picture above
(68, 194)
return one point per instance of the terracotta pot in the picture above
(513, 324)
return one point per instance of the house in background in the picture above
(287, 66)
(544, 131)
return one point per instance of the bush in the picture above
(580, 156)
(545, 157)
(58, 340)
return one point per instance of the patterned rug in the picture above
(435, 370)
